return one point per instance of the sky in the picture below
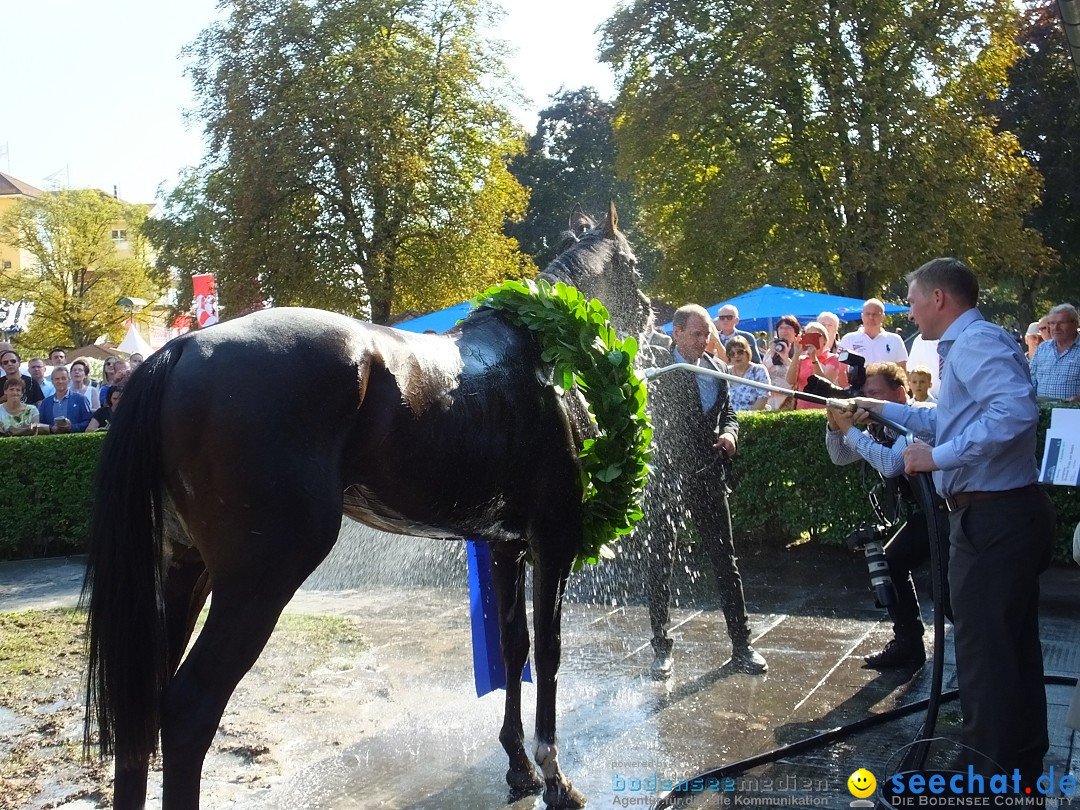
(94, 93)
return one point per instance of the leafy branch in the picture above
(577, 338)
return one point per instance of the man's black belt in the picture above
(960, 500)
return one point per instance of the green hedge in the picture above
(47, 493)
(785, 487)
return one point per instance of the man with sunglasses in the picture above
(726, 321)
(10, 363)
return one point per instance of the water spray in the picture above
(829, 402)
(923, 489)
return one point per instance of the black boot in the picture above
(664, 661)
(745, 658)
(900, 653)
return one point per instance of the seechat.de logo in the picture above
(861, 784)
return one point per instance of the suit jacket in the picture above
(32, 393)
(78, 410)
(684, 431)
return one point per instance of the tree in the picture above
(79, 273)
(1041, 105)
(570, 160)
(828, 144)
(356, 157)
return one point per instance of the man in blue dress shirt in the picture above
(1002, 523)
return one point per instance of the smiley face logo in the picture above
(861, 783)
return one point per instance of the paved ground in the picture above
(435, 746)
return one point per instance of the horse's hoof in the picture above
(523, 783)
(559, 794)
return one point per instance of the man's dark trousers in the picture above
(999, 547)
(702, 498)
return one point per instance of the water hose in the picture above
(923, 488)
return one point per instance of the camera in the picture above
(821, 387)
(869, 539)
(779, 347)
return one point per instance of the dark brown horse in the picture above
(214, 480)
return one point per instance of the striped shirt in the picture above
(1056, 375)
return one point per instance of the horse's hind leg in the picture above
(508, 577)
(549, 584)
(184, 592)
(249, 595)
(185, 589)
(235, 632)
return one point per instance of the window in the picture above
(119, 235)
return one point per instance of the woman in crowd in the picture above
(80, 382)
(16, 417)
(814, 358)
(107, 371)
(1037, 332)
(778, 359)
(745, 397)
(103, 415)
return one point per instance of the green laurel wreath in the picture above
(576, 337)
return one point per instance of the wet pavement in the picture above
(621, 733)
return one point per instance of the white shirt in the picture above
(887, 347)
(924, 353)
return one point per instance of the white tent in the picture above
(135, 343)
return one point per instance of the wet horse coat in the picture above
(209, 484)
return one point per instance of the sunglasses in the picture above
(733, 352)
(725, 317)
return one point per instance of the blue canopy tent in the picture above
(438, 321)
(759, 309)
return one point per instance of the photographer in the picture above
(779, 357)
(910, 544)
(814, 358)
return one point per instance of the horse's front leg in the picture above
(549, 584)
(508, 577)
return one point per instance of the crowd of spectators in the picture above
(795, 351)
(55, 397)
(787, 360)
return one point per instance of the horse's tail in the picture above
(127, 669)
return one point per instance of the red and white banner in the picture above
(206, 309)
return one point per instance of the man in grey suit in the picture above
(727, 318)
(695, 434)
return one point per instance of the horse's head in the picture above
(598, 261)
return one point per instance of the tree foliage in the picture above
(356, 157)
(828, 144)
(570, 160)
(78, 273)
(1041, 105)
